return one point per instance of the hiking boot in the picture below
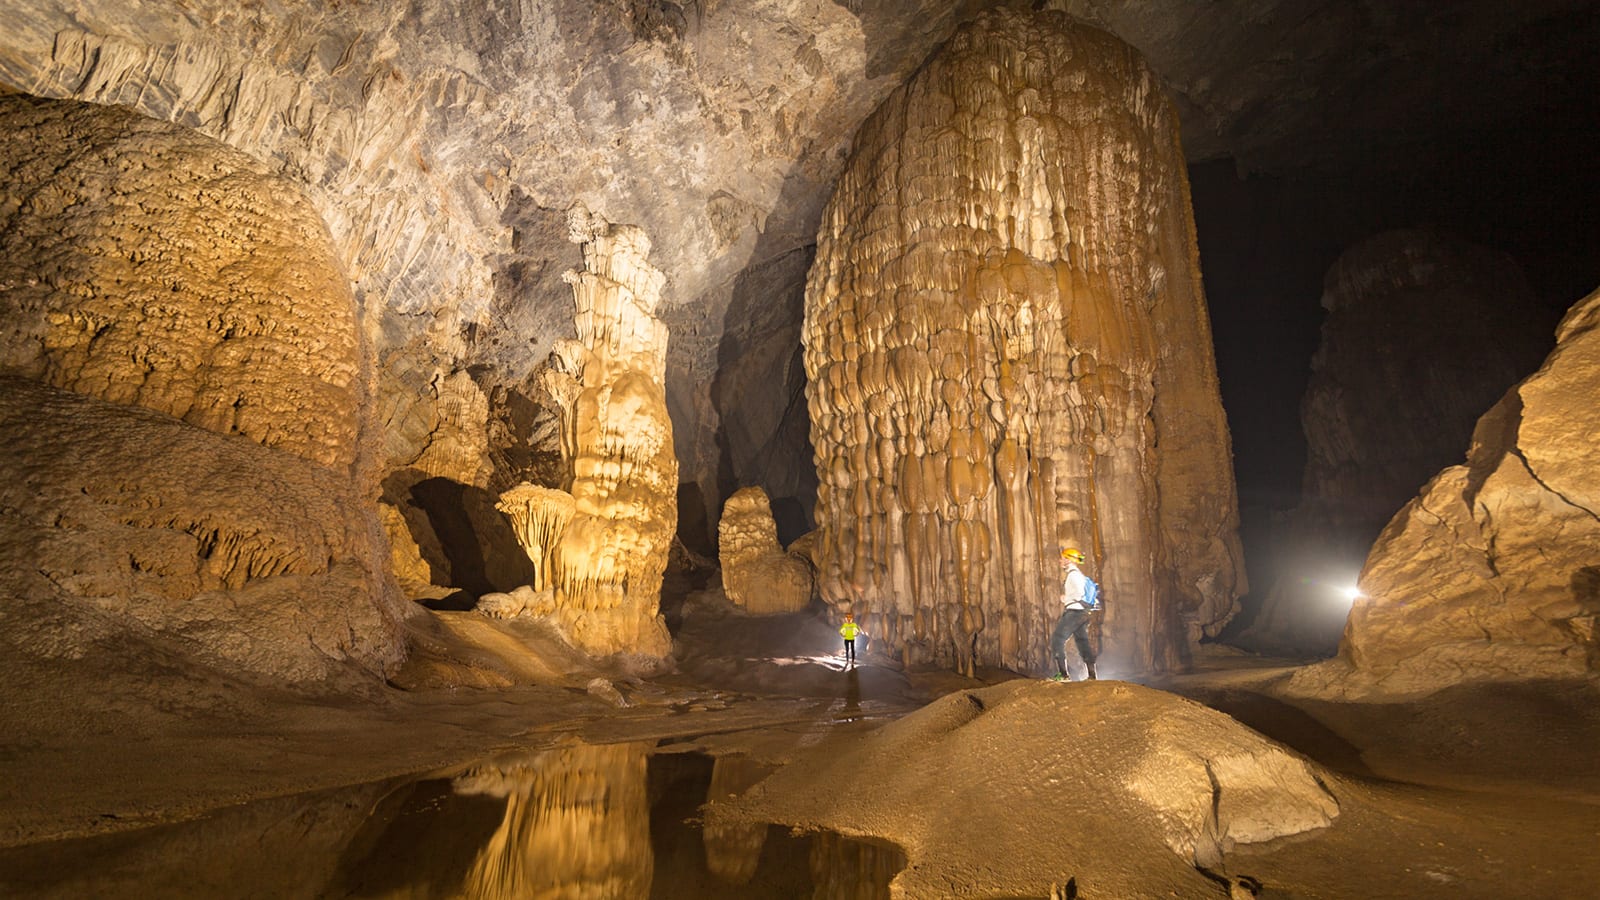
(1091, 671)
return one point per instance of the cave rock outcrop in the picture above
(599, 547)
(183, 395)
(757, 575)
(1008, 351)
(1449, 322)
(1493, 571)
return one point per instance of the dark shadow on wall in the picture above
(474, 538)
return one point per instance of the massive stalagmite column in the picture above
(1008, 351)
(601, 555)
(1424, 332)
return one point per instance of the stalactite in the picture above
(1003, 319)
(601, 545)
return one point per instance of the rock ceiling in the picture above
(442, 142)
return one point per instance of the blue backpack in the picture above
(1091, 592)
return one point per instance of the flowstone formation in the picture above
(1445, 321)
(599, 547)
(184, 396)
(151, 266)
(1494, 570)
(1008, 351)
(756, 574)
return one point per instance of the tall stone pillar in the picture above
(1008, 351)
(599, 546)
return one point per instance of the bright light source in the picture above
(1350, 593)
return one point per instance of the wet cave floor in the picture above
(555, 791)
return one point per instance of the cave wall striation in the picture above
(1008, 352)
(1448, 324)
(1493, 570)
(599, 546)
(757, 575)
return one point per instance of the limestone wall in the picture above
(1008, 351)
(1493, 571)
(1424, 332)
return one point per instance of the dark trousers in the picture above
(1074, 622)
(849, 648)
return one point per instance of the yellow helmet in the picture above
(1073, 554)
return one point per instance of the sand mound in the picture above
(1009, 790)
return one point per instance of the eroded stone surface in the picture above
(757, 575)
(1424, 333)
(125, 528)
(599, 547)
(1130, 787)
(1004, 321)
(150, 265)
(1491, 572)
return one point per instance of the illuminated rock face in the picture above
(756, 574)
(183, 401)
(1424, 333)
(1009, 352)
(1494, 570)
(599, 548)
(158, 268)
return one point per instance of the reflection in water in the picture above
(578, 822)
(571, 822)
(845, 869)
(733, 851)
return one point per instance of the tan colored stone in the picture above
(1492, 572)
(149, 265)
(600, 546)
(129, 532)
(1008, 352)
(757, 575)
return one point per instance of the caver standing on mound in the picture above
(1079, 597)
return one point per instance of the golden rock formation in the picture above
(158, 268)
(1008, 351)
(184, 399)
(756, 574)
(577, 824)
(600, 546)
(1493, 571)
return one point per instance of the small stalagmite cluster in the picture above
(1493, 571)
(599, 547)
(1008, 351)
(756, 574)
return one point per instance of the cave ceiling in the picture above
(442, 142)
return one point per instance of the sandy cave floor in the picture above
(1490, 791)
